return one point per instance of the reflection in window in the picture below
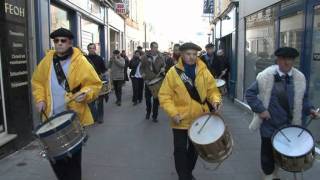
(291, 32)
(260, 41)
(90, 34)
(59, 18)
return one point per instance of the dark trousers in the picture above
(155, 106)
(267, 160)
(68, 168)
(137, 88)
(185, 155)
(117, 84)
(96, 108)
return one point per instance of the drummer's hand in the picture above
(177, 119)
(265, 115)
(41, 106)
(216, 107)
(314, 114)
(80, 97)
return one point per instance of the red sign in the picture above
(120, 8)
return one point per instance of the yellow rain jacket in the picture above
(80, 72)
(175, 99)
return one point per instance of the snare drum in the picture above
(62, 135)
(297, 155)
(221, 84)
(211, 138)
(105, 89)
(154, 86)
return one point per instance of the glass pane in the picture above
(291, 32)
(90, 34)
(260, 41)
(314, 91)
(290, 3)
(59, 18)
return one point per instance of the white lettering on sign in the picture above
(18, 56)
(14, 10)
(18, 62)
(16, 33)
(12, 74)
(17, 45)
(18, 84)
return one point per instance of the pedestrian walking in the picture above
(116, 66)
(62, 74)
(209, 58)
(125, 57)
(136, 78)
(171, 61)
(183, 108)
(152, 67)
(97, 62)
(278, 98)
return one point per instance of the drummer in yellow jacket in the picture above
(184, 108)
(63, 80)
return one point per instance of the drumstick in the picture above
(204, 124)
(284, 135)
(308, 123)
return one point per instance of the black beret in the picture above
(286, 52)
(116, 52)
(210, 45)
(139, 47)
(188, 46)
(61, 32)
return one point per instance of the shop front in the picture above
(116, 31)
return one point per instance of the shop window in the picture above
(291, 32)
(59, 18)
(90, 33)
(260, 43)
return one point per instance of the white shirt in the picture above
(138, 74)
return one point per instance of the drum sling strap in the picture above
(282, 95)
(61, 77)
(191, 88)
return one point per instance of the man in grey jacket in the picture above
(278, 98)
(116, 66)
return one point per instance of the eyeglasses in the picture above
(59, 40)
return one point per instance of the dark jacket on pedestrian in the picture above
(117, 66)
(98, 63)
(210, 62)
(221, 63)
(133, 65)
(126, 67)
(152, 68)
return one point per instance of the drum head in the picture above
(298, 146)
(54, 122)
(210, 133)
(220, 82)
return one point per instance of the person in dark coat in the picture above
(209, 58)
(278, 98)
(136, 78)
(125, 57)
(98, 64)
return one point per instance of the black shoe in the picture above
(135, 103)
(119, 103)
(193, 178)
(139, 101)
(154, 120)
(147, 116)
(100, 122)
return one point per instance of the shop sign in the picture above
(14, 10)
(120, 8)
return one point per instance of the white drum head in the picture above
(220, 82)
(56, 122)
(210, 133)
(298, 146)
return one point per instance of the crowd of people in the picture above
(183, 84)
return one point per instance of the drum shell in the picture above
(64, 141)
(105, 89)
(155, 87)
(294, 164)
(217, 151)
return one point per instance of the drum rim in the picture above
(153, 83)
(212, 113)
(52, 131)
(293, 157)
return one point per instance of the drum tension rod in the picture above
(204, 124)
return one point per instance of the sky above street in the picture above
(178, 20)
